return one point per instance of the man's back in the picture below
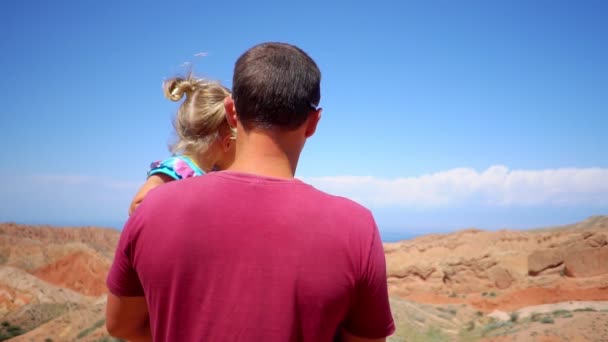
(231, 256)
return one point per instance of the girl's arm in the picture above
(152, 182)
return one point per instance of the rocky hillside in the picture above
(52, 282)
(488, 278)
(547, 284)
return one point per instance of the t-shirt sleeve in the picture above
(122, 279)
(175, 167)
(370, 313)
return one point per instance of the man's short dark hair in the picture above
(275, 85)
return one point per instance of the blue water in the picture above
(392, 236)
(387, 236)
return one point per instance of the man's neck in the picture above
(260, 153)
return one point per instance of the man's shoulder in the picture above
(180, 188)
(339, 203)
(346, 203)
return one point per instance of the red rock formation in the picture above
(587, 262)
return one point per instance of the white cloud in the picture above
(496, 186)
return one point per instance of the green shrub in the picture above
(419, 319)
(10, 331)
(109, 339)
(14, 330)
(413, 332)
(495, 325)
(584, 310)
(470, 326)
(514, 316)
(444, 316)
(90, 329)
(547, 320)
(434, 334)
(560, 312)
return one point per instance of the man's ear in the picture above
(313, 120)
(230, 111)
(227, 142)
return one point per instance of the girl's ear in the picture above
(230, 111)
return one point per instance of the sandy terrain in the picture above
(548, 284)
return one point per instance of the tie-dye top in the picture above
(177, 167)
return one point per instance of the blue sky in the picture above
(437, 114)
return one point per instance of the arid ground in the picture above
(545, 285)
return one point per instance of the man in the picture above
(251, 253)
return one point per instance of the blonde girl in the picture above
(205, 141)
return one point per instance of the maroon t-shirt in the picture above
(236, 257)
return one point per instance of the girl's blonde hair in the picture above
(201, 116)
